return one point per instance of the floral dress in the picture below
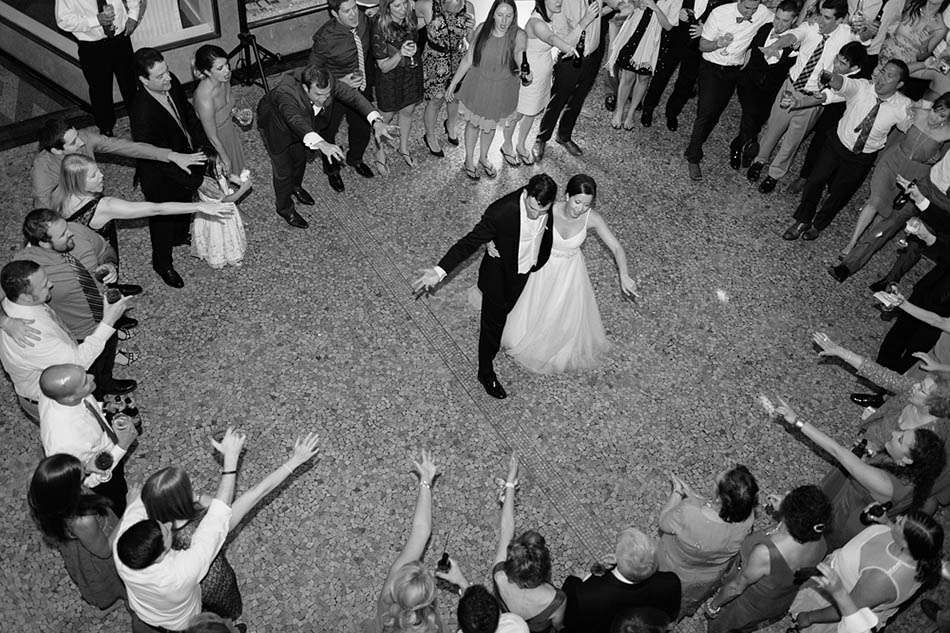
(909, 39)
(445, 48)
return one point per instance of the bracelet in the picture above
(228, 472)
(799, 424)
(511, 484)
(425, 484)
(711, 610)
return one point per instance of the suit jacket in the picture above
(285, 114)
(593, 604)
(152, 123)
(759, 71)
(501, 224)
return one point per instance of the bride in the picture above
(556, 326)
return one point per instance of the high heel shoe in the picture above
(453, 140)
(438, 152)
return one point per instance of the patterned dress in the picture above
(445, 48)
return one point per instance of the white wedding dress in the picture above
(556, 326)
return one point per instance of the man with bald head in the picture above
(72, 422)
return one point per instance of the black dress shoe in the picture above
(126, 323)
(646, 118)
(839, 272)
(336, 181)
(293, 218)
(118, 387)
(735, 157)
(930, 608)
(811, 234)
(492, 386)
(301, 196)
(571, 147)
(672, 123)
(755, 170)
(749, 151)
(362, 169)
(794, 231)
(879, 285)
(127, 290)
(171, 277)
(768, 185)
(610, 103)
(874, 400)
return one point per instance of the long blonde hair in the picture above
(73, 173)
(411, 599)
(385, 20)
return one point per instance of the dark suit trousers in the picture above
(358, 134)
(756, 95)
(568, 92)
(498, 298)
(843, 172)
(101, 368)
(99, 61)
(716, 85)
(288, 167)
(115, 489)
(825, 125)
(168, 231)
(679, 53)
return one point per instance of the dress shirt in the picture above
(722, 20)
(168, 593)
(940, 178)
(81, 17)
(55, 347)
(861, 621)
(335, 50)
(310, 139)
(75, 431)
(529, 237)
(861, 97)
(809, 39)
(571, 14)
(68, 300)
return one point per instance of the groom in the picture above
(519, 228)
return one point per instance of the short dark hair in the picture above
(314, 75)
(52, 134)
(840, 7)
(641, 620)
(528, 560)
(902, 67)
(478, 611)
(855, 52)
(15, 278)
(738, 493)
(207, 622)
(36, 225)
(334, 5)
(144, 59)
(542, 188)
(205, 56)
(141, 545)
(792, 6)
(806, 511)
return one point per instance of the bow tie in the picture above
(740, 20)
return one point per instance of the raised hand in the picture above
(425, 468)
(828, 347)
(454, 575)
(231, 444)
(786, 412)
(305, 448)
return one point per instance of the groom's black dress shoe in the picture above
(300, 195)
(293, 218)
(492, 386)
(336, 181)
(867, 399)
(171, 277)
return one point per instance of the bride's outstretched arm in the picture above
(627, 284)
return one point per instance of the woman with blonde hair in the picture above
(406, 603)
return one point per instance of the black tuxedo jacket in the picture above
(593, 604)
(501, 224)
(152, 123)
(759, 71)
(285, 114)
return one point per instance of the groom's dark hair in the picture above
(542, 188)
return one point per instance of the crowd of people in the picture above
(868, 81)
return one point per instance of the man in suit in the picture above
(342, 47)
(297, 115)
(162, 116)
(594, 602)
(518, 226)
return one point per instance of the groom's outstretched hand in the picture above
(428, 277)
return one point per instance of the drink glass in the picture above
(244, 116)
(412, 58)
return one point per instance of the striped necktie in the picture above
(360, 59)
(101, 421)
(89, 287)
(805, 75)
(864, 129)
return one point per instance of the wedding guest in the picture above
(449, 25)
(903, 476)
(342, 47)
(478, 610)
(406, 603)
(761, 585)
(872, 110)
(215, 107)
(726, 37)
(72, 422)
(57, 139)
(634, 582)
(701, 537)
(489, 75)
(78, 523)
(220, 241)
(916, 33)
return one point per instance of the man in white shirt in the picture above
(162, 583)
(727, 35)
(872, 110)
(72, 422)
(27, 292)
(102, 29)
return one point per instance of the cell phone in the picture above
(444, 564)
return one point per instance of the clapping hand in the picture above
(828, 347)
(304, 450)
(425, 468)
(680, 486)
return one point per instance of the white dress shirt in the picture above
(529, 237)
(55, 347)
(722, 20)
(570, 15)
(168, 593)
(75, 431)
(940, 177)
(81, 17)
(809, 39)
(861, 97)
(312, 139)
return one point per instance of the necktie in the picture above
(864, 129)
(175, 113)
(360, 59)
(810, 65)
(101, 421)
(740, 20)
(89, 287)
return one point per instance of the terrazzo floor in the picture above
(319, 331)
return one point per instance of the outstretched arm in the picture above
(506, 524)
(118, 209)
(627, 285)
(421, 520)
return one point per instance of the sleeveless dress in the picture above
(445, 48)
(98, 582)
(911, 158)
(228, 135)
(637, 45)
(84, 215)
(220, 593)
(555, 326)
(866, 551)
(401, 86)
(540, 622)
(767, 601)
(218, 241)
(533, 98)
(489, 93)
